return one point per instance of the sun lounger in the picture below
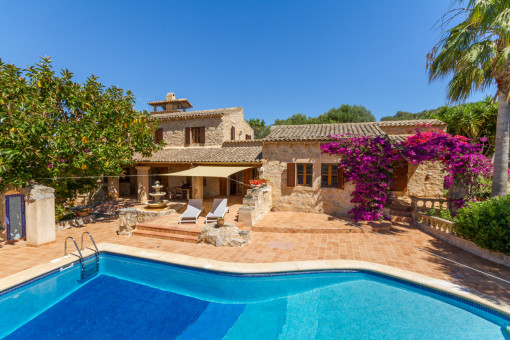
(192, 212)
(218, 210)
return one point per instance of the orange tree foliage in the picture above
(56, 131)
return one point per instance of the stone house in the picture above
(212, 138)
(304, 179)
(301, 177)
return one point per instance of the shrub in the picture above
(487, 223)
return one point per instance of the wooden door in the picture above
(399, 180)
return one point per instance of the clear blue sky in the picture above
(274, 58)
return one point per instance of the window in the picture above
(159, 135)
(304, 174)
(195, 135)
(329, 175)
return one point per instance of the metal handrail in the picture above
(91, 238)
(74, 241)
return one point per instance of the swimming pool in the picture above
(135, 298)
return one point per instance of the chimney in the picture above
(170, 96)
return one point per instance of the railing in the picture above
(425, 204)
(434, 222)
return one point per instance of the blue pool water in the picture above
(138, 299)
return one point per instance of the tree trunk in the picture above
(500, 178)
(457, 194)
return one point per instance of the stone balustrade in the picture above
(434, 222)
(425, 204)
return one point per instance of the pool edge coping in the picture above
(27, 276)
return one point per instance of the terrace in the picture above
(282, 237)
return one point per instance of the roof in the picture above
(163, 102)
(169, 115)
(321, 131)
(398, 138)
(225, 154)
(412, 122)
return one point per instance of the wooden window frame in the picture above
(306, 173)
(197, 135)
(330, 175)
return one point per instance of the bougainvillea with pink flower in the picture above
(368, 162)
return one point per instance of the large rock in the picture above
(226, 236)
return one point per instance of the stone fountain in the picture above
(157, 202)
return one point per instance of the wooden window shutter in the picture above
(187, 136)
(291, 174)
(233, 133)
(202, 134)
(159, 135)
(340, 179)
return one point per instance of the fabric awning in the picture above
(209, 171)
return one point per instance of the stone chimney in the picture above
(170, 96)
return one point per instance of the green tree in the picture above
(404, 115)
(295, 119)
(65, 134)
(346, 114)
(342, 114)
(476, 53)
(259, 128)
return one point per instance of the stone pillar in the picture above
(256, 204)
(143, 183)
(39, 214)
(197, 183)
(113, 187)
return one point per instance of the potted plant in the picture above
(257, 183)
(220, 222)
(82, 211)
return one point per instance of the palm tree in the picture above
(473, 120)
(476, 53)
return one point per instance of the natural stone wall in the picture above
(425, 180)
(77, 222)
(217, 129)
(242, 127)
(211, 187)
(256, 204)
(173, 130)
(332, 201)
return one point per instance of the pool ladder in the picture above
(88, 268)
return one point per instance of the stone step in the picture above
(399, 207)
(401, 219)
(166, 236)
(176, 230)
(401, 213)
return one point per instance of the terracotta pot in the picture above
(84, 212)
(273, 209)
(220, 222)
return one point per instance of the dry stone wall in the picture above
(332, 201)
(173, 130)
(425, 180)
